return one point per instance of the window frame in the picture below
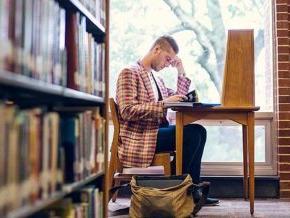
(268, 119)
(269, 167)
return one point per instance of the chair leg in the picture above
(113, 168)
(167, 167)
(114, 197)
(111, 172)
(163, 159)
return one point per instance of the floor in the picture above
(231, 208)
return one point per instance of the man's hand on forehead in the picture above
(176, 61)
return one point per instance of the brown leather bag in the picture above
(164, 196)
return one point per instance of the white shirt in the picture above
(153, 85)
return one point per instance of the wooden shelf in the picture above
(73, 109)
(94, 26)
(24, 82)
(71, 93)
(13, 84)
(77, 185)
(41, 204)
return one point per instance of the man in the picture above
(144, 129)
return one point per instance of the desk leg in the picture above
(251, 135)
(245, 161)
(179, 142)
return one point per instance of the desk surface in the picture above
(216, 109)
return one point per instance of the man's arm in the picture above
(127, 99)
(183, 82)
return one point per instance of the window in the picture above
(200, 28)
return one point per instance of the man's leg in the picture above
(165, 139)
(194, 137)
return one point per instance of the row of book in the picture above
(85, 203)
(33, 39)
(40, 151)
(96, 8)
(82, 137)
(39, 39)
(86, 58)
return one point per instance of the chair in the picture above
(116, 175)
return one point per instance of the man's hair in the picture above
(166, 42)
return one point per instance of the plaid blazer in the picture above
(140, 114)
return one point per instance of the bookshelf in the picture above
(53, 107)
(57, 196)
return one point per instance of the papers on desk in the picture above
(190, 104)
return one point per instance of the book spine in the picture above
(72, 50)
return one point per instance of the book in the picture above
(68, 142)
(192, 100)
(190, 104)
(191, 96)
(154, 170)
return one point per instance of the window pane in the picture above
(200, 28)
(219, 148)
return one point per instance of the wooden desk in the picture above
(241, 115)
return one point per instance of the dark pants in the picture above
(194, 137)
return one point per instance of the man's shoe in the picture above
(199, 195)
(208, 201)
(202, 191)
(211, 202)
